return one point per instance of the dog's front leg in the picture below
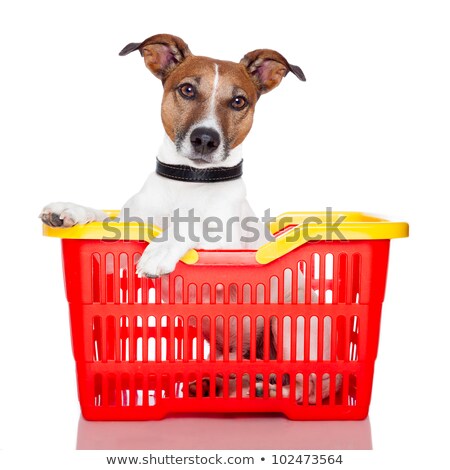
(68, 214)
(163, 252)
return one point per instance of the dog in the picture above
(207, 111)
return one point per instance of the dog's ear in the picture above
(267, 68)
(162, 53)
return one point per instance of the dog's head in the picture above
(208, 105)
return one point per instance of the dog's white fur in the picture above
(160, 197)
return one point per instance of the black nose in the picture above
(205, 140)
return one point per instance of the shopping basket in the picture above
(140, 345)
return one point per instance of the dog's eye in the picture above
(238, 102)
(187, 90)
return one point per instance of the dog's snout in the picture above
(205, 140)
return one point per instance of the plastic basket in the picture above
(139, 343)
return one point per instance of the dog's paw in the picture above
(271, 384)
(205, 388)
(66, 214)
(207, 385)
(157, 260)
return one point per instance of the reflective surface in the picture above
(224, 432)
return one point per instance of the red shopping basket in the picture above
(202, 338)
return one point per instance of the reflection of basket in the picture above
(139, 346)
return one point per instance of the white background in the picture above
(367, 131)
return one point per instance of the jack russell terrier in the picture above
(207, 111)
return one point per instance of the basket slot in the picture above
(328, 274)
(352, 386)
(132, 277)
(199, 294)
(343, 278)
(332, 390)
(95, 276)
(111, 388)
(109, 352)
(139, 393)
(314, 390)
(158, 340)
(293, 339)
(261, 296)
(117, 280)
(273, 291)
(232, 294)
(246, 294)
(176, 335)
(321, 277)
(150, 339)
(199, 341)
(151, 393)
(344, 397)
(307, 340)
(109, 278)
(298, 388)
(97, 339)
(333, 340)
(354, 337)
(245, 387)
(232, 337)
(194, 294)
(206, 294)
(188, 339)
(320, 338)
(327, 336)
(98, 390)
(279, 328)
(356, 277)
(178, 388)
(212, 341)
(178, 285)
(205, 339)
(341, 338)
(300, 339)
(336, 279)
(123, 339)
(295, 287)
(220, 294)
(268, 325)
(137, 341)
(165, 387)
(142, 328)
(157, 283)
(211, 386)
(212, 293)
(191, 385)
(125, 391)
(222, 330)
(282, 281)
(308, 274)
(313, 336)
(240, 338)
(249, 341)
(284, 391)
(287, 334)
(235, 385)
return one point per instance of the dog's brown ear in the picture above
(162, 53)
(267, 68)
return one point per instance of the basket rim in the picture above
(296, 229)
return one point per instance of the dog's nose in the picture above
(205, 140)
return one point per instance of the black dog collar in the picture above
(198, 175)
